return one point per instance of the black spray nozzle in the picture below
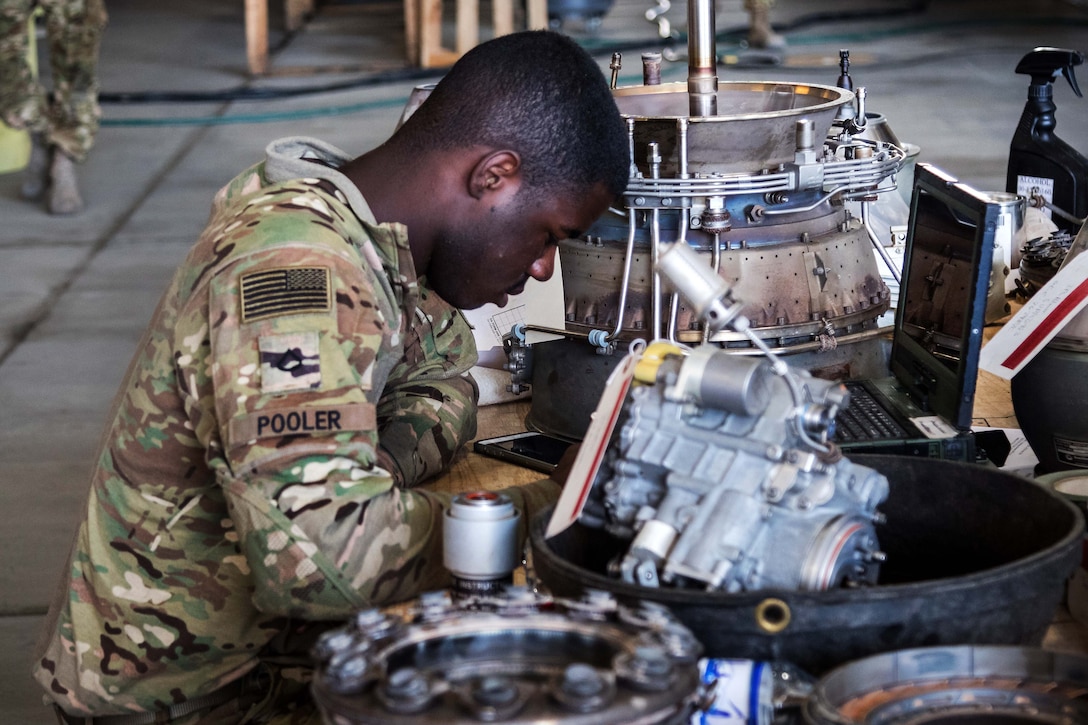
(845, 81)
(1044, 64)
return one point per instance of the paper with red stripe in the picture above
(588, 459)
(1038, 321)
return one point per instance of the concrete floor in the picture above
(75, 292)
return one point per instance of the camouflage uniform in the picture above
(240, 492)
(68, 117)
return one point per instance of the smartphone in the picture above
(533, 450)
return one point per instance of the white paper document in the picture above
(1038, 321)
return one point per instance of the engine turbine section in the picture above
(721, 478)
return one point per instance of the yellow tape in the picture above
(652, 357)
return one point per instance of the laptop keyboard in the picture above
(865, 419)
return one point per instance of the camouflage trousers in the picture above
(67, 116)
(273, 694)
(282, 697)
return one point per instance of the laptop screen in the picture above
(942, 300)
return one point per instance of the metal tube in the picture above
(716, 263)
(682, 150)
(654, 159)
(702, 59)
(685, 219)
(651, 68)
(877, 244)
(628, 261)
(655, 289)
(807, 207)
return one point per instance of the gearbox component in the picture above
(721, 478)
(515, 657)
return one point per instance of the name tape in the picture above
(301, 420)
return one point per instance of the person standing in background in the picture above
(760, 33)
(62, 122)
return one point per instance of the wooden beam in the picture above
(502, 16)
(257, 36)
(468, 25)
(411, 31)
(537, 14)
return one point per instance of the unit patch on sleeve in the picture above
(285, 291)
(290, 362)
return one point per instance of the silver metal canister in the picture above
(480, 542)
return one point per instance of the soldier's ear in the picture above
(496, 172)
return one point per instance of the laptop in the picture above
(925, 407)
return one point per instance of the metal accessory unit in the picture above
(516, 657)
(480, 542)
(722, 477)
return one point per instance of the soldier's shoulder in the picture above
(312, 211)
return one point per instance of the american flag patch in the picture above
(285, 291)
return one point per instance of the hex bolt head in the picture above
(581, 680)
(495, 691)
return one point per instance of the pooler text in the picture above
(305, 421)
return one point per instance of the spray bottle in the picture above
(1042, 167)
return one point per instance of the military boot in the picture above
(64, 195)
(36, 173)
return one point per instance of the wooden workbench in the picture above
(473, 472)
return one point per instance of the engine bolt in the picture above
(495, 691)
(651, 661)
(346, 674)
(405, 683)
(581, 680)
(647, 668)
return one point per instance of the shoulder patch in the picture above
(285, 291)
(290, 362)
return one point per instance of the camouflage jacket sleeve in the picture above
(285, 405)
(285, 400)
(428, 409)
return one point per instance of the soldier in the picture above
(62, 123)
(304, 371)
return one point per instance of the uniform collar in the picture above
(293, 158)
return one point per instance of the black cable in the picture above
(247, 93)
(819, 18)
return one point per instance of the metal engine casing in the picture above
(514, 657)
(718, 478)
(800, 292)
(764, 192)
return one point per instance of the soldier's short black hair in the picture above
(535, 92)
